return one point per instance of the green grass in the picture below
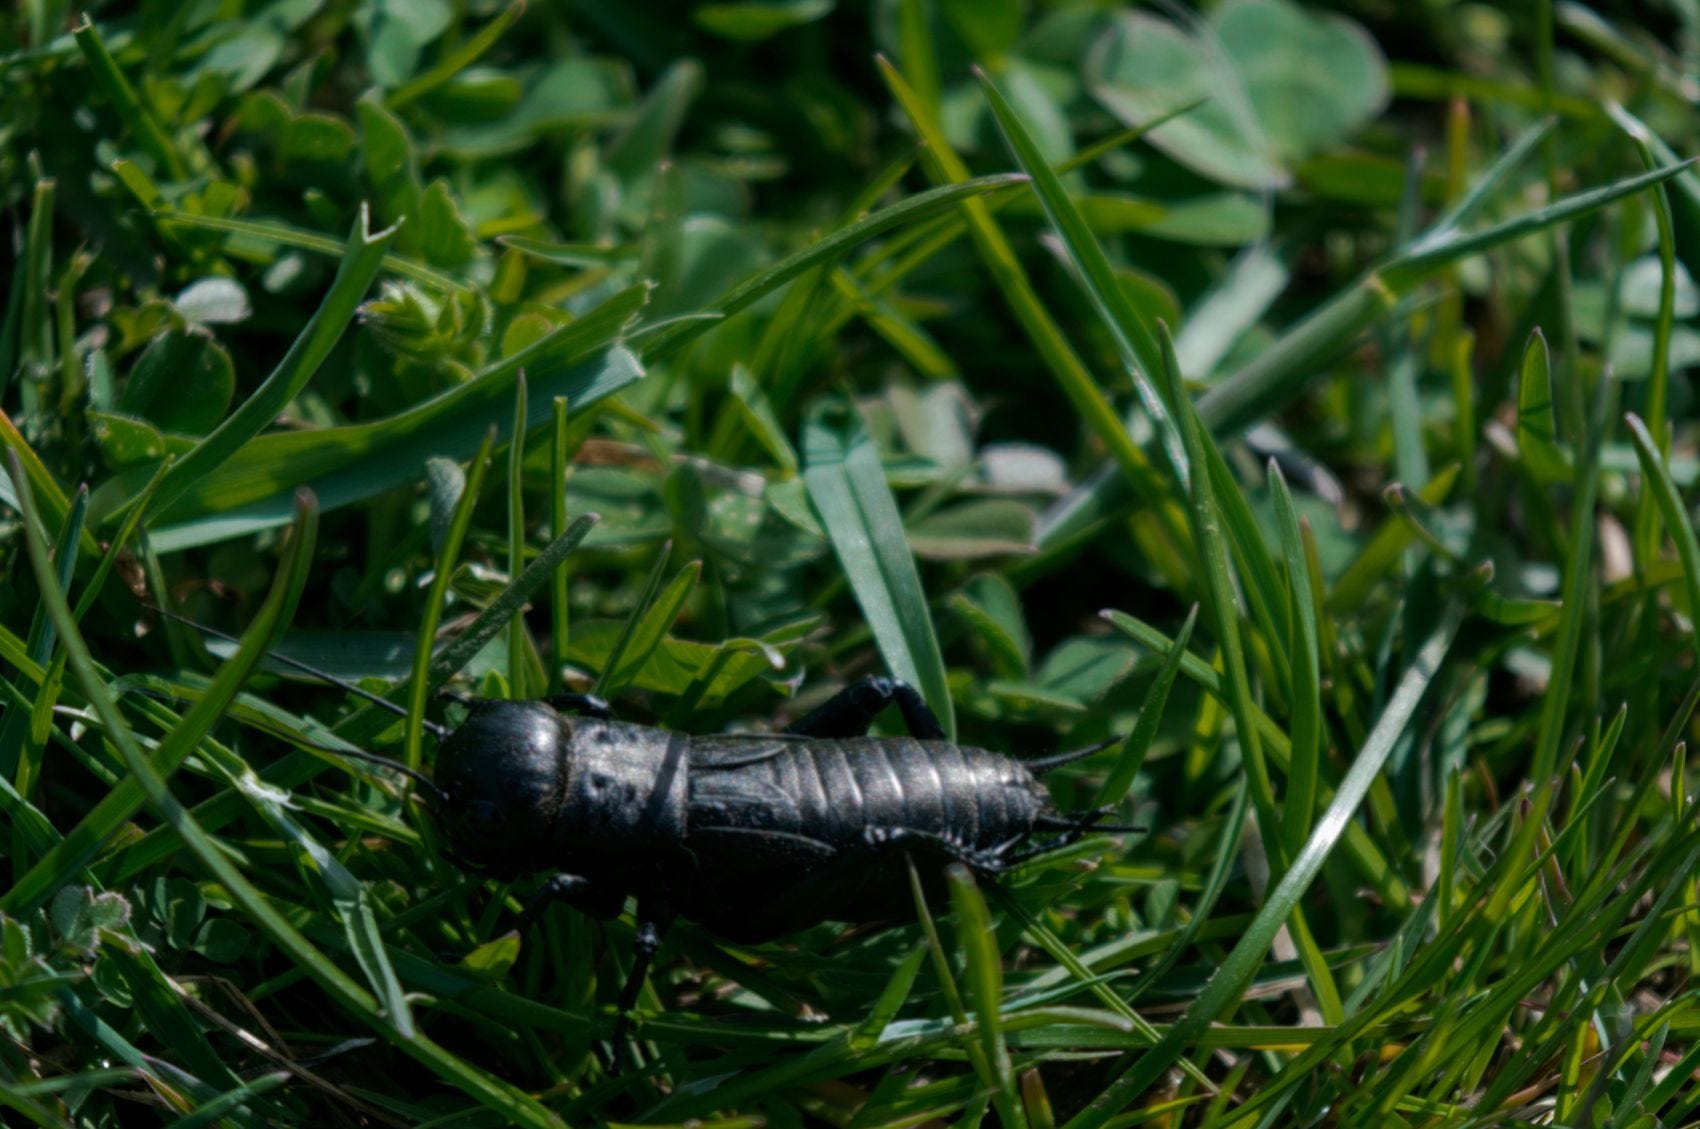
(1295, 397)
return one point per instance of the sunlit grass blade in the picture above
(1250, 951)
(1280, 372)
(1127, 325)
(1438, 248)
(1205, 517)
(847, 485)
(459, 651)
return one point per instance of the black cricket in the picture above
(751, 836)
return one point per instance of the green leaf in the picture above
(755, 20)
(848, 489)
(1311, 77)
(449, 241)
(183, 381)
(129, 442)
(1283, 83)
(649, 626)
(991, 606)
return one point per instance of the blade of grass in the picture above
(1365, 853)
(232, 1101)
(1537, 431)
(460, 650)
(354, 462)
(51, 497)
(23, 734)
(1064, 365)
(66, 860)
(646, 598)
(362, 258)
(1305, 727)
(1130, 330)
(916, 207)
(559, 610)
(288, 235)
(419, 684)
(463, 55)
(1658, 380)
(1241, 964)
(1282, 371)
(1138, 742)
(984, 966)
(124, 99)
(1567, 644)
(847, 486)
(1657, 483)
(1205, 518)
(502, 1098)
(518, 669)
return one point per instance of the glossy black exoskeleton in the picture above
(750, 836)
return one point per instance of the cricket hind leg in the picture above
(652, 922)
(571, 890)
(852, 710)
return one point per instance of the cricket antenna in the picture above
(431, 727)
(439, 796)
(1057, 760)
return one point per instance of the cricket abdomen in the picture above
(789, 832)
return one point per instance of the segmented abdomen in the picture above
(840, 791)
